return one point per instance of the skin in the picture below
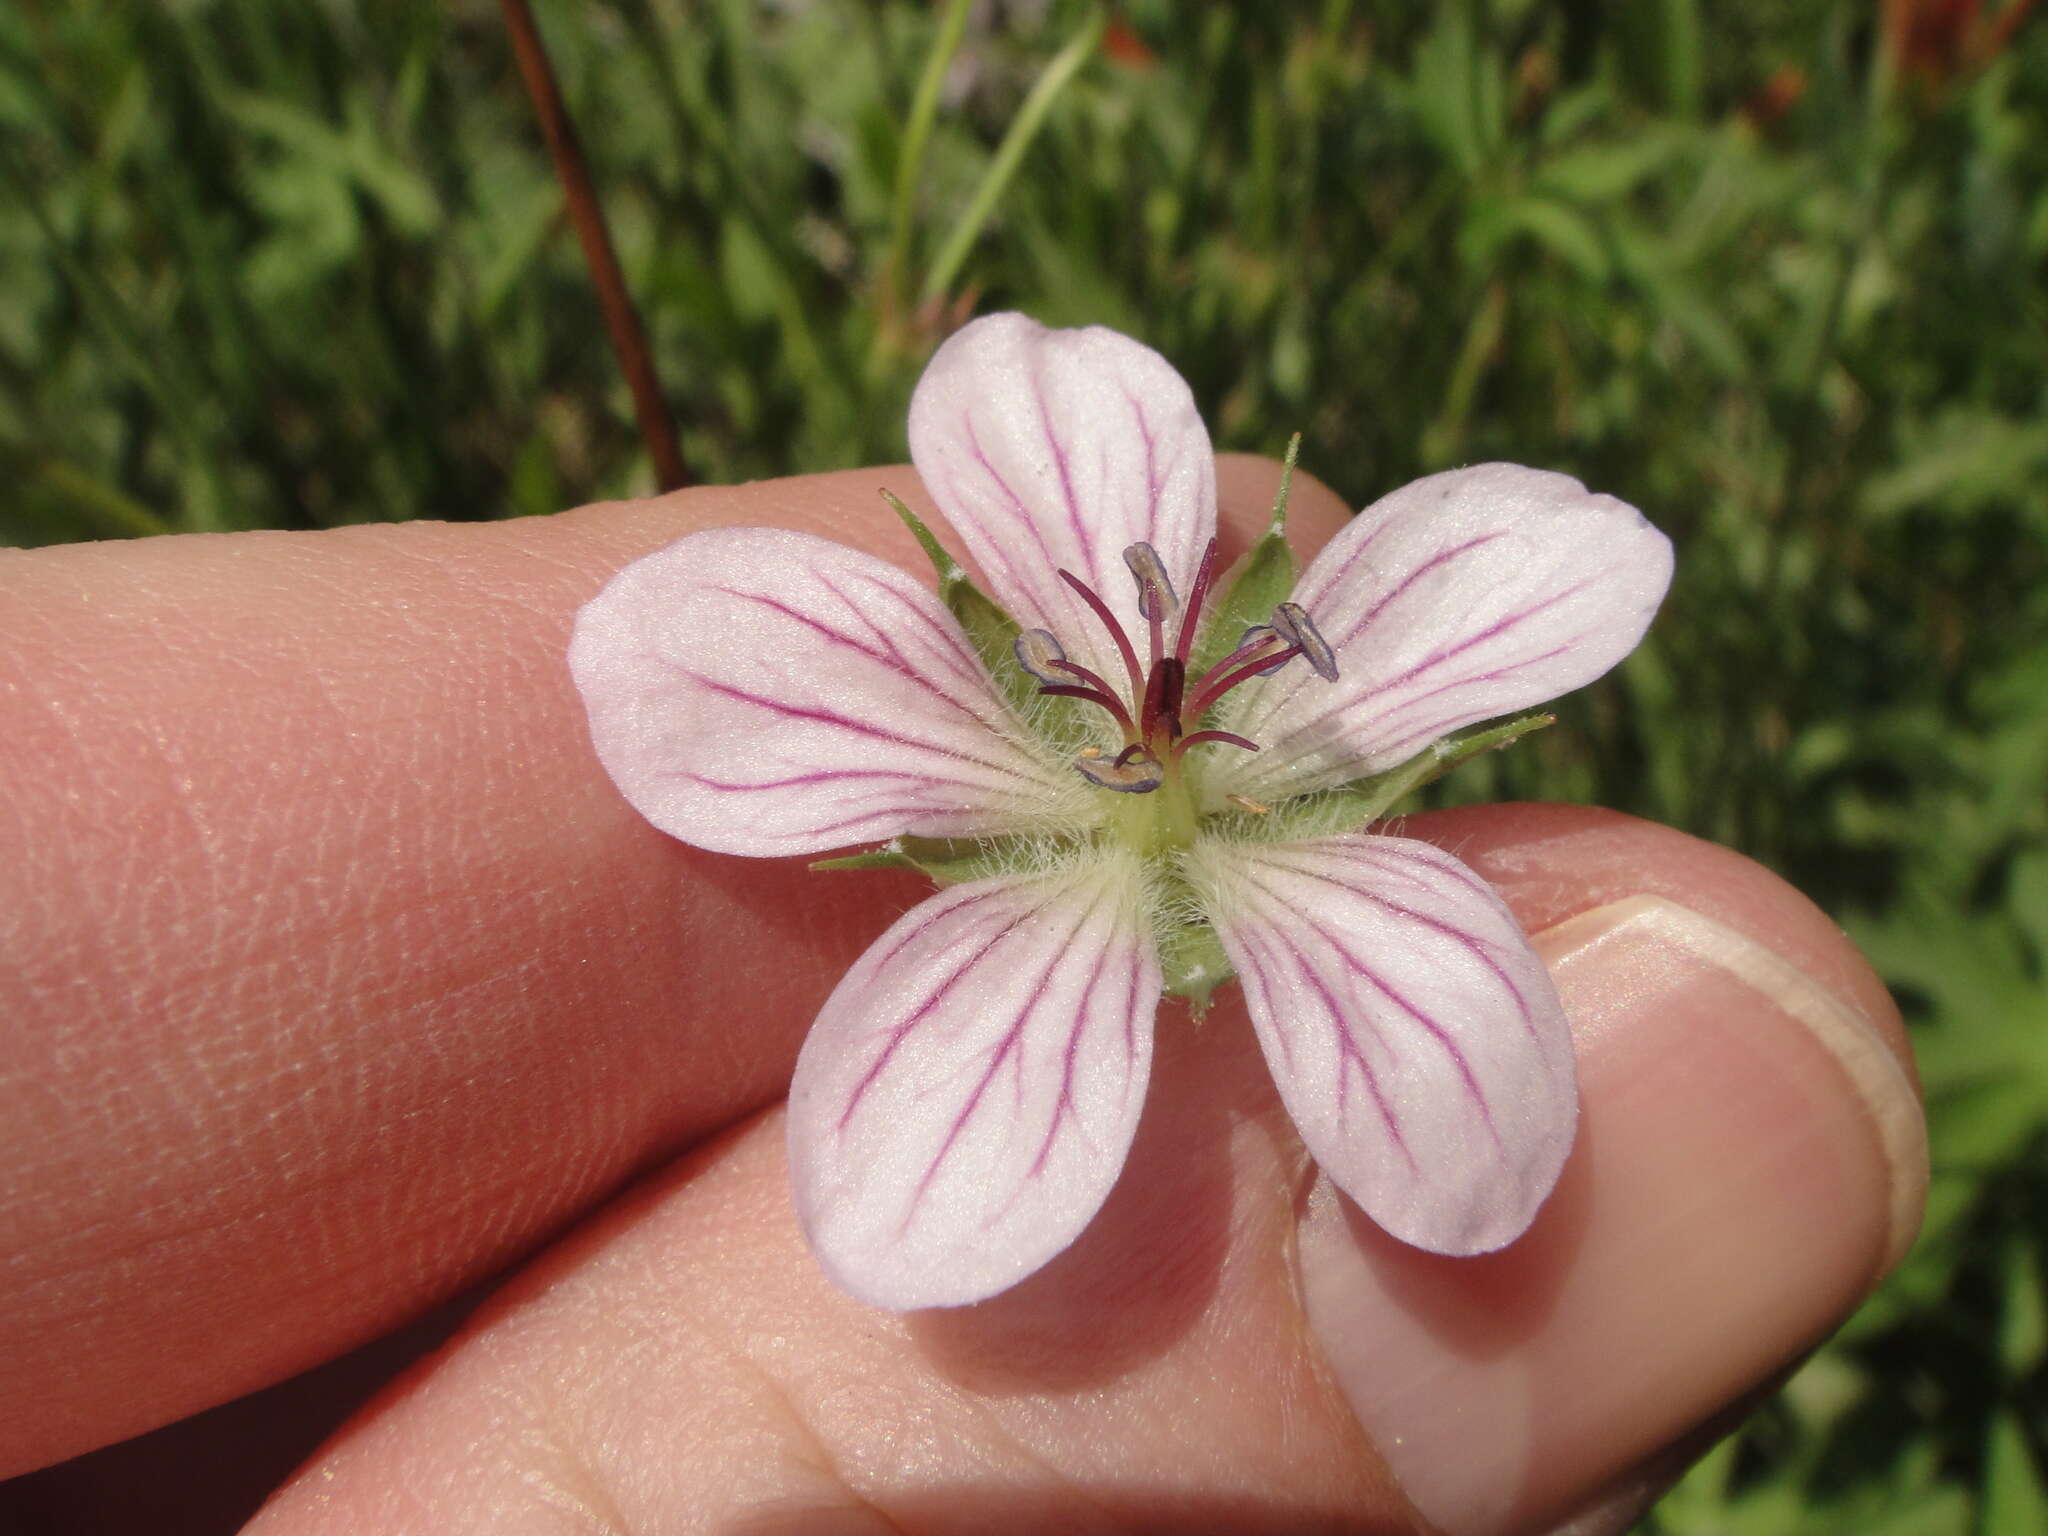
(340, 982)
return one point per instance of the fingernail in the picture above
(1751, 1158)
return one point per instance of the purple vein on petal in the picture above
(938, 994)
(844, 722)
(1005, 1050)
(911, 783)
(1048, 559)
(1304, 735)
(1477, 946)
(944, 647)
(888, 656)
(1077, 523)
(1350, 1053)
(1355, 627)
(1350, 960)
(948, 644)
(1155, 476)
(1063, 1106)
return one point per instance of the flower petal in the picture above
(1060, 449)
(969, 1092)
(763, 692)
(1462, 597)
(1417, 1041)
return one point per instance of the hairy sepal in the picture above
(1192, 962)
(1355, 806)
(951, 861)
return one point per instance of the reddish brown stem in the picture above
(621, 320)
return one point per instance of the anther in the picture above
(1292, 623)
(1129, 773)
(1155, 589)
(1038, 653)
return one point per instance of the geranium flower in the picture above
(1134, 776)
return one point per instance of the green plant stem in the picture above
(1009, 155)
(110, 508)
(924, 108)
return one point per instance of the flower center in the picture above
(1163, 702)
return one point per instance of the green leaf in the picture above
(2023, 1331)
(1495, 223)
(1603, 172)
(2015, 1501)
(1010, 154)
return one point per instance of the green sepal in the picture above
(993, 634)
(1258, 582)
(946, 861)
(888, 856)
(1192, 964)
(1363, 801)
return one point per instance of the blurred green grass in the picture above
(1773, 272)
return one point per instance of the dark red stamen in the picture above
(1212, 687)
(1154, 741)
(1192, 612)
(1226, 737)
(1092, 679)
(1108, 701)
(1116, 630)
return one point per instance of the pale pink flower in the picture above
(1183, 804)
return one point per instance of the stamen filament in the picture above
(1108, 701)
(1116, 630)
(1092, 679)
(1193, 610)
(1212, 691)
(1225, 737)
(1157, 739)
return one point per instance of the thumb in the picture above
(1230, 1346)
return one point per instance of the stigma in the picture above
(1160, 710)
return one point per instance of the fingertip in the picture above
(1552, 862)
(1751, 1160)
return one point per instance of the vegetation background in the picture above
(1771, 270)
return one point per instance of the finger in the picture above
(339, 972)
(1228, 1346)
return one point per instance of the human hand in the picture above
(339, 978)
